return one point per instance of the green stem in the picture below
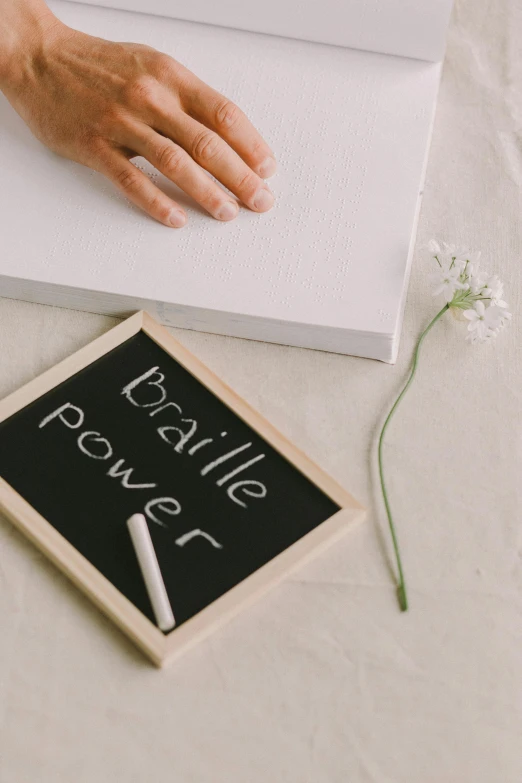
(401, 588)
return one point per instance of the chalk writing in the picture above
(148, 391)
(182, 540)
(95, 446)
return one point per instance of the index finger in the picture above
(221, 115)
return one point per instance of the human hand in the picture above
(101, 103)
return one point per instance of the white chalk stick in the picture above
(150, 570)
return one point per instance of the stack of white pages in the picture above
(327, 268)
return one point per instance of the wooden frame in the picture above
(159, 647)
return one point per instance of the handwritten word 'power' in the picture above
(149, 393)
(93, 445)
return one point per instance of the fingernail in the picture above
(263, 200)
(228, 211)
(267, 168)
(177, 218)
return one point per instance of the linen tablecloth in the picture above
(324, 681)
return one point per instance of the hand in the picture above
(101, 103)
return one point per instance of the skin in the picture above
(101, 103)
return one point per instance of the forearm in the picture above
(23, 27)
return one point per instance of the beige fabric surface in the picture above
(324, 681)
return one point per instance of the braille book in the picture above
(344, 93)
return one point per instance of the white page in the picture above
(350, 131)
(411, 28)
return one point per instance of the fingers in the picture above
(216, 112)
(212, 153)
(138, 188)
(178, 166)
(221, 141)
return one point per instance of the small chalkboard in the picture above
(134, 423)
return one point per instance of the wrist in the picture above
(24, 27)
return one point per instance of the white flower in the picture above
(445, 253)
(447, 280)
(476, 281)
(505, 316)
(495, 291)
(484, 322)
(470, 296)
(478, 297)
(460, 254)
(472, 258)
(433, 246)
